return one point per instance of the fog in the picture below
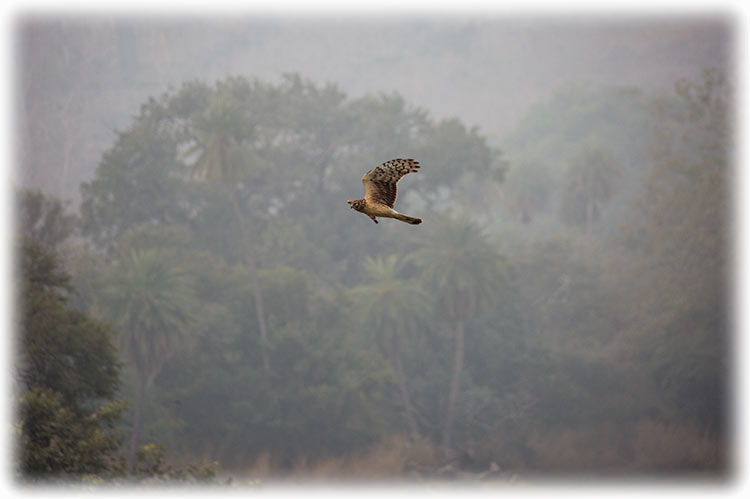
(80, 78)
(561, 310)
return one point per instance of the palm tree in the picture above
(392, 309)
(465, 272)
(591, 177)
(219, 133)
(148, 299)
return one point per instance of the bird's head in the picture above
(357, 204)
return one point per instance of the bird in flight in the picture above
(380, 190)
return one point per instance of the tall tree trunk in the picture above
(458, 365)
(140, 392)
(257, 295)
(403, 388)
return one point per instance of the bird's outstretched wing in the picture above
(380, 182)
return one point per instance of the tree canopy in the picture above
(264, 327)
(69, 373)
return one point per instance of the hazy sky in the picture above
(82, 76)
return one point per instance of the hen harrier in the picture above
(380, 190)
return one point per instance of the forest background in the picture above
(194, 298)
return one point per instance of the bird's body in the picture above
(381, 192)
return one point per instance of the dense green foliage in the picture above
(261, 321)
(69, 375)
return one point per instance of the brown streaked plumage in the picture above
(381, 192)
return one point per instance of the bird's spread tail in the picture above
(408, 219)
